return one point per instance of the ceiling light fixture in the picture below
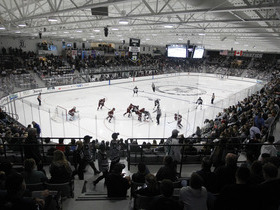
(201, 34)
(22, 25)
(168, 26)
(123, 22)
(96, 30)
(114, 29)
(52, 20)
(79, 31)
(2, 28)
(17, 32)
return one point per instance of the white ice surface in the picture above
(180, 93)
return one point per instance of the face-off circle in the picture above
(180, 90)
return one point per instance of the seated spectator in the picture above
(168, 171)
(49, 149)
(256, 172)
(60, 146)
(60, 169)
(226, 174)
(71, 147)
(165, 201)
(268, 148)
(139, 176)
(6, 169)
(241, 196)
(30, 175)
(269, 190)
(151, 188)
(13, 198)
(195, 195)
(117, 185)
(209, 177)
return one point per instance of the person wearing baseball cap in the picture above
(114, 151)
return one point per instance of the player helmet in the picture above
(74, 107)
(113, 108)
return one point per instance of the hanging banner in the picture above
(134, 49)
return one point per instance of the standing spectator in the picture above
(60, 169)
(103, 163)
(175, 151)
(117, 185)
(37, 126)
(195, 195)
(87, 159)
(165, 200)
(78, 160)
(32, 148)
(114, 151)
(32, 176)
(39, 99)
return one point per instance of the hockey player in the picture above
(178, 118)
(139, 113)
(72, 112)
(128, 110)
(147, 116)
(101, 103)
(153, 87)
(135, 90)
(110, 115)
(199, 102)
(156, 103)
(212, 98)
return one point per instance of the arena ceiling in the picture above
(215, 24)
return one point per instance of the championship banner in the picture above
(134, 49)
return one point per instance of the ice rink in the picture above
(177, 93)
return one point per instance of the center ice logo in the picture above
(182, 90)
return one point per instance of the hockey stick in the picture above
(107, 107)
(171, 121)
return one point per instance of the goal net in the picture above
(60, 114)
